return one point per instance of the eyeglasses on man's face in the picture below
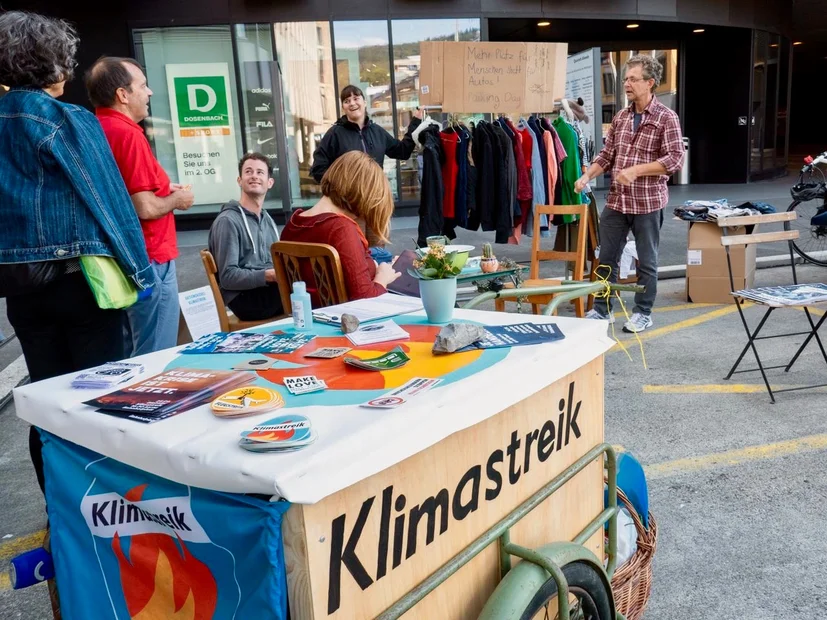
(635, 80)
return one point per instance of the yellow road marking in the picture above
(815, 311)
(674, 327)
(740, 456)
(713, 388)
(16, 546)
(654, 471)
(684, 307)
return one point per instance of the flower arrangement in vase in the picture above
(437, 276)
(489, 262)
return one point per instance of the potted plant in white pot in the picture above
(437, 274)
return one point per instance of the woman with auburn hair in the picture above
(355, 193)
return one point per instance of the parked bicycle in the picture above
(810, 204)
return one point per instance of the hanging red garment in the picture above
(524, 188)
(450, 171)
(528, 144)
(527, 197)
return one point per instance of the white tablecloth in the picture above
(198, 449)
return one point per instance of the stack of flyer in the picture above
(789, 295)
(107, 376)
(285, 433)
(248, 342)
(169, 393)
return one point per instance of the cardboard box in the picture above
(716, 289)
(431, 73)
(706, 257)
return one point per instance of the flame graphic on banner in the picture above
(161, 579)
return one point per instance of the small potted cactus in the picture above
(489, 262)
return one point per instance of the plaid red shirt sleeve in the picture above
(658, 138)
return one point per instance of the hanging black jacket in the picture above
(345, 136)
(461, 200)
(482, 149)
(507, 190)
(431, 220)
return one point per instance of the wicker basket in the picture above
(632, 582)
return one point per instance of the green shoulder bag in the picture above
(111, 288)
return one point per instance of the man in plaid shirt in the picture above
(643, 149)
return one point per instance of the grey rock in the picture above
(455, 336)
(349, 323)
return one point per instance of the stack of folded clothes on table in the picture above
(712, 210)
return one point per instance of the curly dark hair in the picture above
(35, 50)
(257, 157)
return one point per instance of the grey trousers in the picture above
(614, 228)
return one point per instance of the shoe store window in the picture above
(193, 127)
(363, 59)
(259, 102)
(308, 91)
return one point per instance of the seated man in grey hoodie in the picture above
(240, 240)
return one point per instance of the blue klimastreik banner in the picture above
(132, 546)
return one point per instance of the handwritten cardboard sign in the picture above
(492, 77)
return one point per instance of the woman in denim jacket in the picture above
(61, 197)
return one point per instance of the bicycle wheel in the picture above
(588, 598)
(811, 244)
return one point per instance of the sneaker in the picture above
(637, 323)
(594, 314)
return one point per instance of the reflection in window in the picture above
(195, 51)
(609, 90)
(255, 56)
(667, 91)
(363, 60)
(406, 63)
(309, 99)
(783, 104)
(759, 81)
(771, 97)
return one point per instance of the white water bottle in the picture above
(300, 305)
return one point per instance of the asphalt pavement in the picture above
(736, 483)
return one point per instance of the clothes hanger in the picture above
(569, 115)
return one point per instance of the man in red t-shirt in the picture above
(118, 89)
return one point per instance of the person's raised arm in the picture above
(402, 149)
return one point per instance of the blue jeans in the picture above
(153, 322)
(614, 226)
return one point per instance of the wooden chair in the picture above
(329, 284)
(228, 321)
(812, 333)
(577, 256)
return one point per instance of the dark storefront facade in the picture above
(273, 71)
